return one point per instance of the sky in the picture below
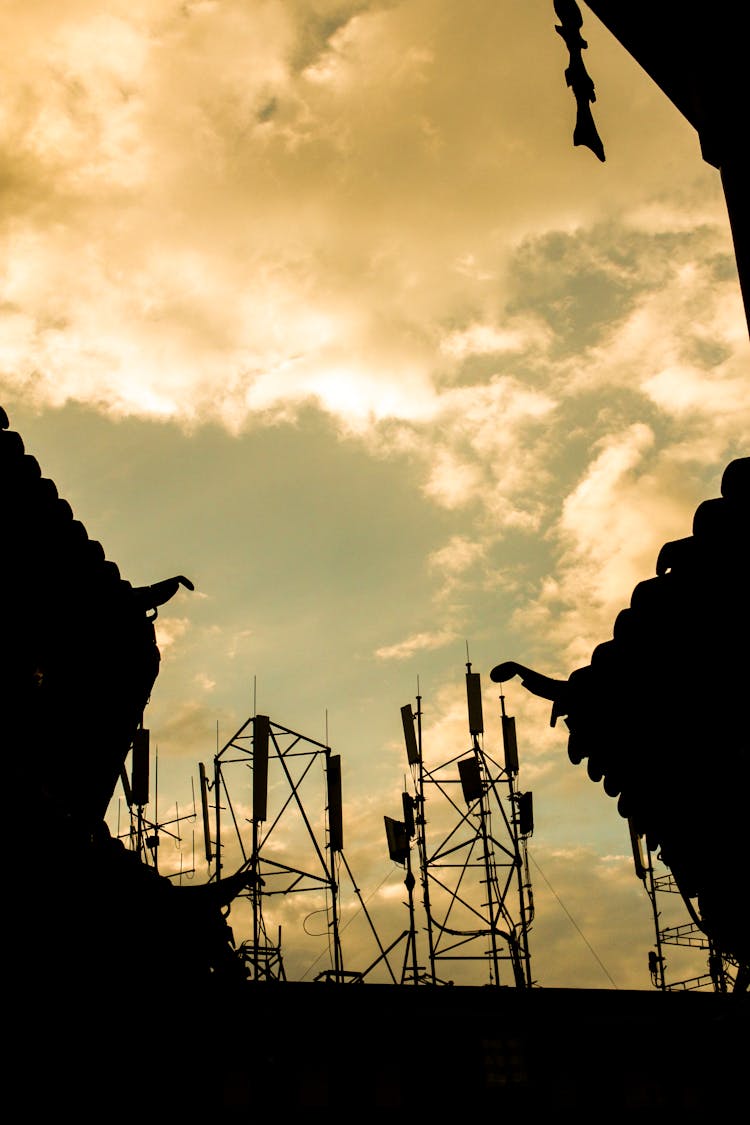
(317, 304)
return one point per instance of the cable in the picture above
(603, 967)
(306, 919)
(356, 913)
(371, 895)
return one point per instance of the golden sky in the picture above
(316, 303)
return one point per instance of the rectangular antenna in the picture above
(139, 767)
(126, 785)
(471, 779)
(398, 841)
(509, 743)
(474, 700)
(410, 738)
(640, 857)
(408, 805)
(261, 731)
(204, 806)
(525, 814)
(335, 818)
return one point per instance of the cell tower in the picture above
(477, 893)
(684, 932)
(269, 835)
(145, 834)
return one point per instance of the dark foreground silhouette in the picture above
(660, 713)
(93, 936)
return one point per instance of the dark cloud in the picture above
(585, 281)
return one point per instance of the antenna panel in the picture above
(261, 729)
(412, 750)
(510, 744)
(335, 818)
(474, 701)
(408, 804)
(398, 841)
(640, 860)
(125, 780)
(525, 814)
(204, 807)
(140, 764)
(471, 779)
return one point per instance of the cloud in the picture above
(266, 205)
(204, 682)
(610, 528)
(685, 391)
(418, 642)
(490, 339)
(453, 481)
(458, 564)
(292, 204)
(169, 630)
(591, 517)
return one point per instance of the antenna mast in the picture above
(469, 876)
(144, 834)
(416, 816)
(684, 932)
(280, 845)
